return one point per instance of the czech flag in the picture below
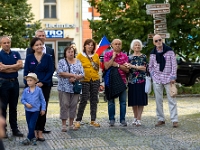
(103, 45)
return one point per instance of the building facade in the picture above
(62, 22)
(88, 12)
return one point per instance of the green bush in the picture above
(195, 89)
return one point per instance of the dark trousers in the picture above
(31, 119)
(89, 91)
(1, 145)
(42, 119)
(9, 94)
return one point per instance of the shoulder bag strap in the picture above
(67, 64)
(96, 65)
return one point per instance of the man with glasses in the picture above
(163, 69)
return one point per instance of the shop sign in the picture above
(59, 26)
(54, 33)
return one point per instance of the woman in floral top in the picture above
(137, 98)
(69, 70)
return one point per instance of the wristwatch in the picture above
(118, 66)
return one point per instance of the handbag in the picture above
(173, 90)
(148, 85)
(77, 85)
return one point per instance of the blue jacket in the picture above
(44, 70)
(35, 98)
(49, 51)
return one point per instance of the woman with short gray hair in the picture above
(137, 98)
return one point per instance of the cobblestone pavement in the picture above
(146, 137)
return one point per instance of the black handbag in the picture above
(77, 85)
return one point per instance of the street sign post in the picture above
(159, 12)
(163, 35)
(157, 6)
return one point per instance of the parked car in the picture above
(188, 73)
(21, 78)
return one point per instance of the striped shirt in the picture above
(169, 72)
(120, 58)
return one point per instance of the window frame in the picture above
(50, 14)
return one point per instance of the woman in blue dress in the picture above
(137, 98)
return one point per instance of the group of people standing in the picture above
(133, 69)
(38, 70)
(162, 67)
(40, 65)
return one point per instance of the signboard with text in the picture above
(54, 33)
(157, 6)
(159, 12)
(163, 35)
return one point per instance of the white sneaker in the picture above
(134, 121)
(138, 123)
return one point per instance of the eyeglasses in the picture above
(158, 40)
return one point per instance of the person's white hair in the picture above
(40, 30)
(133, 43)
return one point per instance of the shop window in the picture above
(49, 8)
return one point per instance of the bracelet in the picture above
(118, 66)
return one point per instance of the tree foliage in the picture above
(183, 25)
(15, 16)
(130, 21)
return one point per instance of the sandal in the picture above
(73, 127)
(64, 128)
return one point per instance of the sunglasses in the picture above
(158, 40)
